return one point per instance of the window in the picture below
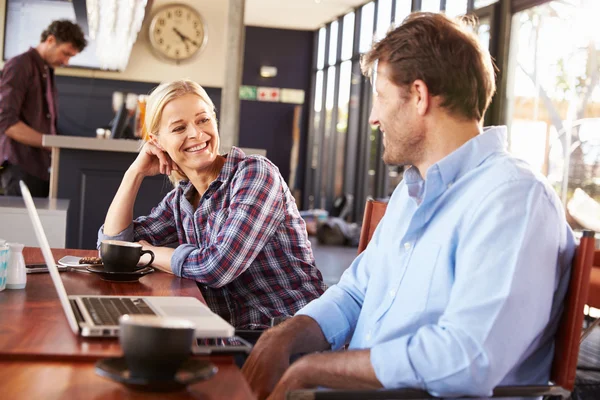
(430, 5)
(455, 8)
(342, 125)
(333, 42)
(384, 18)
(366, 27)
(483, 3)
(347, 36)
(321, 50)
(403, 8)
(553, 94)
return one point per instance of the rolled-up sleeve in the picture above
(338, 309)
(158, 228)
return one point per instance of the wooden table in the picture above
(40, 357)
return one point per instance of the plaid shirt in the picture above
(245, 245)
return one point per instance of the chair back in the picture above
(568, 335)
(374, 211)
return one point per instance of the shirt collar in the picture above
(232, 159)
(38, 58)
(492, 140)
(449, 169)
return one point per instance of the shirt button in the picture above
(48, 115)
(368, 336)
(407, 245)
(392, 293)
(449, 185)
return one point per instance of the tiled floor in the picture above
(332, 261)
(587, 383)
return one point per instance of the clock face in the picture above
(177, 32)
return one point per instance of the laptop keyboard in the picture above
(106, 311)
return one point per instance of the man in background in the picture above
(28, 107)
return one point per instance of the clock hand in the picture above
(193, 42)
(184, 37)
(181, 36)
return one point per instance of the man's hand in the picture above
(296, 377)
(269, 360)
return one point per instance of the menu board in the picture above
(27, 19)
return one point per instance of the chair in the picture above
(568, 338)
(374, 211)
(594, 292)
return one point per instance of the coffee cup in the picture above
(120, 256)
(155, 347)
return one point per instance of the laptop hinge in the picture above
(75, 309)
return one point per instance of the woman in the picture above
(238, 230)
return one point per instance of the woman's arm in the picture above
(151, 161)
(120, 212)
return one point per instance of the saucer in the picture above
(191, 371)
(119, 276)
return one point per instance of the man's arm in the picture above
(341, 370)
(23, 133)
(271, 354)
(13, 89)
(325, 323)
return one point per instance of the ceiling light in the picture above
(114, 25)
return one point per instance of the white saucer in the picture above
(72, 261)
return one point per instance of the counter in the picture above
(88, 172)
(16, 226)
(57, 142)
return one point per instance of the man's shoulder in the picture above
(22, 62)
(503, 170)
(25, 57)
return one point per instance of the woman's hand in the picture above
(153, 160)
(162, 256)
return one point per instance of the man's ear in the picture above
(420, 92)
(51, 40)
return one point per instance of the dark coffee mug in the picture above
(119, 256)
(155, 347)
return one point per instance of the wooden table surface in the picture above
(33, 323)
(40, 357)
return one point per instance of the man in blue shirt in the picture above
(462, 284)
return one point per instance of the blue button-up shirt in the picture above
(462, 284)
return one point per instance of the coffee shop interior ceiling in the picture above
(208, 68)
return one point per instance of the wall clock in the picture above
(177, 32)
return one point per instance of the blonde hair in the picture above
(160, 97)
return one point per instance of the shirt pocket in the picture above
(410, 285)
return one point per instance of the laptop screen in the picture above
(43, 242)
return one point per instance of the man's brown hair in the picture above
(65, 31)
(444, 54)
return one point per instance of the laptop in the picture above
(98, 316)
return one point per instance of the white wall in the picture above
(208, 68)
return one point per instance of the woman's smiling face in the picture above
(188, 133)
